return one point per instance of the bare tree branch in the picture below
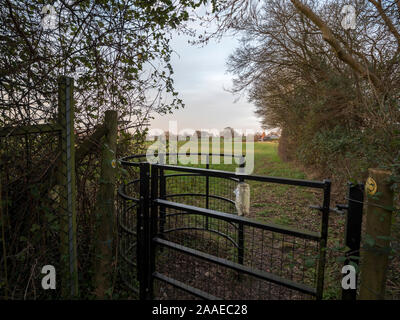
(329, 37)
(388, 21)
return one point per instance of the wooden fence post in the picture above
(105, 211)
(66, 178)
(376, 249)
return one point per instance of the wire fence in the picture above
(128, 209)
(31, 205)
(38, 201)
(283, 256)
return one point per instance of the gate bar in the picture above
(324, 238)
(184, 287)
(220, 173)
(238, 219)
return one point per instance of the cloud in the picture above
(200, 78)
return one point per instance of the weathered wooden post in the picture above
(376, 249)
(105, 211)
(66, 179)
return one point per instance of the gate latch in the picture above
(242, 199)
(339, 208)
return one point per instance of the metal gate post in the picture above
(163, 193)
(67, 179)
(143, 231)
(162, 196)
(241, 229)
(353, 231)
(240, 238)
(153, 230)
(207, 189)
(324, 237)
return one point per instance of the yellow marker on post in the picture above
(370, 186)
(114, 163)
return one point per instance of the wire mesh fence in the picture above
(128, 209)
(284, 256)
(30, 211)
(38, 225)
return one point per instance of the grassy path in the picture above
(290, 206)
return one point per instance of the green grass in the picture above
(266, 159)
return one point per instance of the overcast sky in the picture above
(201, 79)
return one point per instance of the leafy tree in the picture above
(118, 51)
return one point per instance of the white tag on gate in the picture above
(242, 199)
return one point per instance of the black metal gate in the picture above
(180, 238)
